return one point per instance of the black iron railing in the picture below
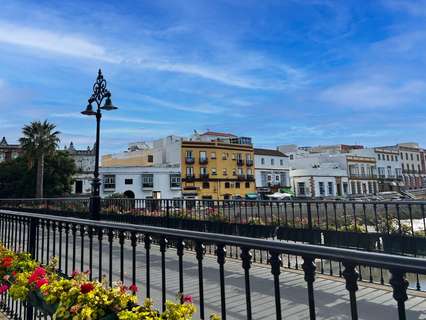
(109, 248)
(395, 227)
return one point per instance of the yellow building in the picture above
(217, 169)
(139, 158)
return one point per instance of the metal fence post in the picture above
(31, 245)
(167, 214)
(311, 235)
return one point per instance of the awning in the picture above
(287, 190)
(251, 195)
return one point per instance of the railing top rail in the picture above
(298, 201)
(374, 259)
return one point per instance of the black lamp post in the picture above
(100, 93)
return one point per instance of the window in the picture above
(240, 171)
(249, 171)
(418, 158)
(174, 181)
(248, 156)
(277, 178)
(269, 177)
(214, 173)
(262, 160)
(225, 173)
(203, 155)
(224, 156)
(387, 157)
(291, 157)
(396, 158)
(411, 157)
(109, 182)
(412, 167)
(189, 171)
(237, 185)
(321, 188)
(213, 155)
(272, 161)
(226, 185)
(281, 162)
(301, 188)
(234, 172)
(345, 187)
(330, 189)
(248, 185)
(206, 185)
(378, 156)
(203, 170)
(147, 181)
(128, 181)
(189, 153)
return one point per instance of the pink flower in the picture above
(6, 277)
(133, 288)
(41, 282)
(3, 288)
(74, 273)
(187, 299)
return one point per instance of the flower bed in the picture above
(76, 297)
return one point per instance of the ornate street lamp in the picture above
(100, 93)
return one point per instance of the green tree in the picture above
(17, 179)
(40, 139)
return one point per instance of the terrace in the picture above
(297, 271)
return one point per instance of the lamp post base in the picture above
(95, 208)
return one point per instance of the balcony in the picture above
(189, 178)
(189, 160)
(249, 162)
(250, 177)
(204, 176)
(241, 177)
(365, 176)
(240, 162)
(203, 161)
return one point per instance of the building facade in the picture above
(9, 151)
(271, 171)
(413, 173)
(84, 160)
(153, 182)
(217, 168)
(389, 169)
(323, 181)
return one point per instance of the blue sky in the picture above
(306, 72)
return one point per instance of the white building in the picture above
(324, 180)
(271, 170)
(153, 182)
(389, 170)
(85, 163)
(410, 155)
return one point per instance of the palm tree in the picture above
(40, 139)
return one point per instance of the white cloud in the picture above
(55, 42)
(112, 118)
(365, 94)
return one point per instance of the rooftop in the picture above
(268, 152)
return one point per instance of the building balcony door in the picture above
(78, 186)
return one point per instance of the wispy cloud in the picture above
(55, 42)
(111, 118)
(371, 94)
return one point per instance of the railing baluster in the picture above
(309, 267)
(351, 276)
(200, 249)
(163, 247)
(246, 258)
(180, 245)
(90, 234)
(275, 261)
(148, 241)
(221, 253)
(399, 285)
(121, 238)
(100, 238)
(110, 253)
(133, 239)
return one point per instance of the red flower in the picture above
(133, 288)
(41, 282)
(7, 262)
(86, 287)
(37, 274)
(187, 299)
